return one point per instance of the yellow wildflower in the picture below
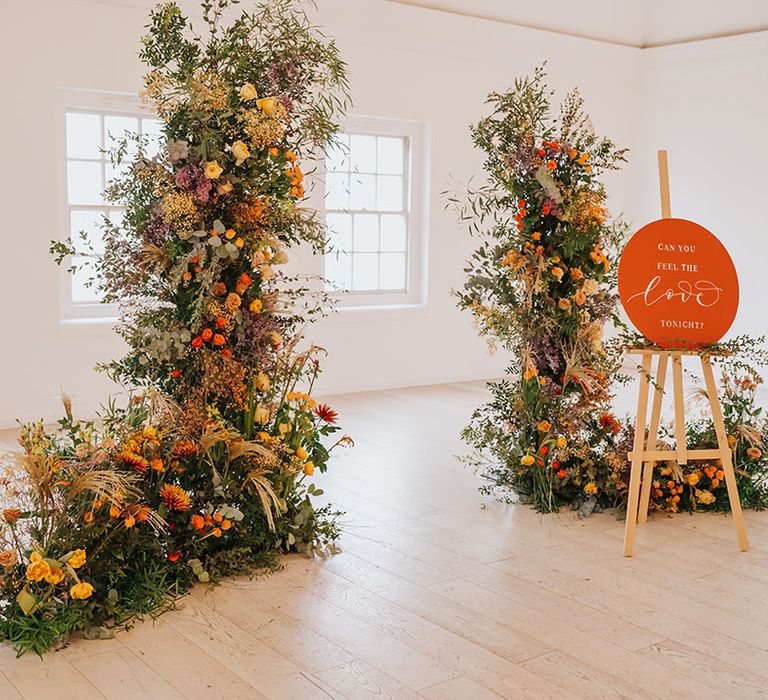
(81, 591)
(38, 567)
(77, 558)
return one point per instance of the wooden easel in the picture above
(644, 452)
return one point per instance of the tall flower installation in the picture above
(542, 286)
(205, 472)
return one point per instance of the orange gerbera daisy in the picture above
(174, 497)
(184, 448)
(133, 460)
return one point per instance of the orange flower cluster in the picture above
(209, 525)
(297, 178)
(251, 212)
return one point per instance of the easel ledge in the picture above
(678, 352)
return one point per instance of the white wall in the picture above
(703, 101)
(706, 103)
(405, 62)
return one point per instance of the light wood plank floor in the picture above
(442, 594)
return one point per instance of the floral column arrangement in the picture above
(205, 472)
(542, 286)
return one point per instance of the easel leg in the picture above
(725, 451)
(653, 434)
(637, 456)
(677, 386)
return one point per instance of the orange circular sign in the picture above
(678, 284)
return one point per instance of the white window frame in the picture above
(416, 198)
(103, 103)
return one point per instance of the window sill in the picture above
(378, 312)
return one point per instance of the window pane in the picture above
(390, 161)
(339, 231)
(365, 271)
(362, 192)
(115, 129)
(393, 237)
(83, 135)
(338, 271)
(337, 156)
(392, 271)
(81, 292)
(84, 184)
(112, 172)
(389, 193)
(363, 153)
(152, 130)
(337, 191)
(90, 222)
(366, 233)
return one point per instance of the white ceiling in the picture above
(641, 23)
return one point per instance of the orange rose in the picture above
(197, 522)
(233, 301)
(8, 558)
(219, 340)
(207, 334)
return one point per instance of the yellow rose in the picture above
(8, 558)
(213, 170)
(56, 575)
(268, 105)
(248, 92)
(705, 497)
(262, 382)
(76, 558)
(591, 488)
(301, 453)
(692, 479)
(240, 151)
(38, 568)
(527, 460)
(561, 441)
(225, 187)
(81, 591)
(256, 306)
(544, 426)
(261, 415)
(309, 468)
(275, 338)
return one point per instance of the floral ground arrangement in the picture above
(204, 472)
(542, 286)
